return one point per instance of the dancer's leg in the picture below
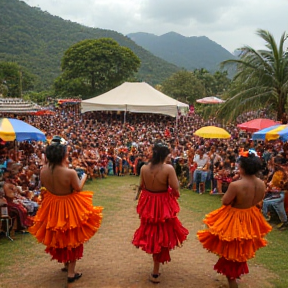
(71, 269)
(232, 283)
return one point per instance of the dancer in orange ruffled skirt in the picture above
(66, 218)
(236, 230)
(160, 229)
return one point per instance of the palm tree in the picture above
(261, 80)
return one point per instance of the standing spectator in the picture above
(200, 174)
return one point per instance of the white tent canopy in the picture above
(134, 97)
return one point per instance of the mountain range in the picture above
(37, 41)
(186, 52)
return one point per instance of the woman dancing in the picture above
(236, 230)
(66, 218)
(160, 229)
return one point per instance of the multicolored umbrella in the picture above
(212, 132)
(14, 129)
(257, 124)
(272, 133)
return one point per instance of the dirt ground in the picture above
(110, 260)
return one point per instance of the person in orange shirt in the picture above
(66, 218)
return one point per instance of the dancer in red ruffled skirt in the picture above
(160, 229)
(237, 229)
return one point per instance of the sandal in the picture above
(155, 279)
(65, 268)
(76, 277)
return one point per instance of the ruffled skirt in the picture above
(64, 223)
(235, 235)
(160, 230)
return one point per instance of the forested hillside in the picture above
(186, 52)
(37, 40)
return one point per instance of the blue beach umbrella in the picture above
(14, 129)
(272, 133)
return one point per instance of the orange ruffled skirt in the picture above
(235, 235)
(160, 230)
(64, 223)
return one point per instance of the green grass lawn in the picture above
(108, 193)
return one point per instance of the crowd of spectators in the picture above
(102, 145)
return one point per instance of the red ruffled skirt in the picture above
(64, 223)
(235, 235)
(160, 230)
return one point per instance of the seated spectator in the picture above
(16, 206)
(276, 193)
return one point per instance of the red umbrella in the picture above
(210, 100)
(257, 124)
(44, 112)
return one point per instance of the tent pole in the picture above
(176, 126)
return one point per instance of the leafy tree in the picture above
(66, 87)
(184, 86)
(215, 84)
(222, 82)
(97, 65)
(38, 97)
(261, 79)
(14, 79)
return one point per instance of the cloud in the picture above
(230, 23)
(183, 11)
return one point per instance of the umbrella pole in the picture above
(16, 150)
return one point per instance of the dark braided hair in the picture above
(160, 152)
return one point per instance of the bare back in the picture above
(60, 180)
(157, 178)
(244, 193)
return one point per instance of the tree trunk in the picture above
(281, 105)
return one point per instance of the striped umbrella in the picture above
(14, 129)
(272, 133)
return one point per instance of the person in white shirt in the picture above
(200, 174)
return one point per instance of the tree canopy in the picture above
(261, 80)
(94, 66)
(14, 79)
(189, 86)
(184, 86)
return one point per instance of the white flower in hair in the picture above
(252, 151)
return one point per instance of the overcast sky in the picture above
(230, 23)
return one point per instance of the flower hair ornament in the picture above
(56, 140)
(248, 153)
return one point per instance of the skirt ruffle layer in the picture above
(64, 255)
(66, 222)
(235, 234)
(157, 207)
(160, 229)
(231, 269)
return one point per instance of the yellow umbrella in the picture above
(212, 132)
